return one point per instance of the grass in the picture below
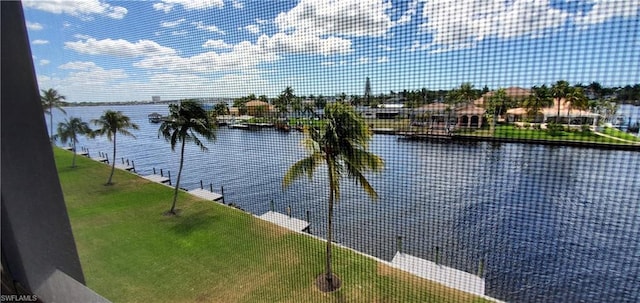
(210, 253)
(511, 132)
(620, 134)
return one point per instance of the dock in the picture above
(285, 221)
(69, 148)
(205, 194)
(100, 159)
(447, 276)
(82, 153)
(157, 178)
(126, 167)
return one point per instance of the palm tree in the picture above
(284, 100)
(496, 101)
(69, 131)
(466, 93)
(186, 120)
(340, 143)
(576, 99)
(539, 99)
(111, 123)
(559, 91)
(50, 99)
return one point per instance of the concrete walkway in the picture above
(448, 276)
(156, 178)
(616, 138)
(284, 221)
(205, 194)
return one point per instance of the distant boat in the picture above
(241, 126)
(155, 118)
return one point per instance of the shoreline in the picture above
(463, 138)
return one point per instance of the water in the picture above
(554, 224)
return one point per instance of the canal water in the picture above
(552, 224)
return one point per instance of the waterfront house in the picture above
(446, 116)
(515, 93)
(258, 108)
(568, 114)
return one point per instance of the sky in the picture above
(97, 51)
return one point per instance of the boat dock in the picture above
(126, 167)
(205, 194)
(100, 159)
(285, 221)
(157, 178)
(447, 276)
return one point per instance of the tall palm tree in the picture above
(466, 93)
(341, 144)
(69, 131)
(51, 99)
(576, 99)
(186, 120)
(496, 101)
(284, 100)
(111, 123)
(559, 91)
(539, 99)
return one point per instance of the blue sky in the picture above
(97, 50)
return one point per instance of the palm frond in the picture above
(305, 166)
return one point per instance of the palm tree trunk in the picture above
(329, 273)
(175, 192)
(73, 163)
(113, 164)
(51, 123)
(558, 116)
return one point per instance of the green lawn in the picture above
(130, 252)
(620, 134)
(511, 132)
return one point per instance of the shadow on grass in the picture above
(184, 225)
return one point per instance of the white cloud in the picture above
(34, 26)
(81, 36)
(341, 17)
(386, 48)
(172, 24)
(238, 4)
(218, 44)
(78, 65)
(327, 63)
(261, 21)
(305, 43)
(605, 10)
(383, 59)
(44, 62)
(83, 9)
(168, 5)
(252, 28)
(210, 28)
(163, 7)
(457, 24)
(410, 12)
(244, 56)
(119, 48)
(179, 33)
(83, 75)
(363, 60)
(39, 42)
